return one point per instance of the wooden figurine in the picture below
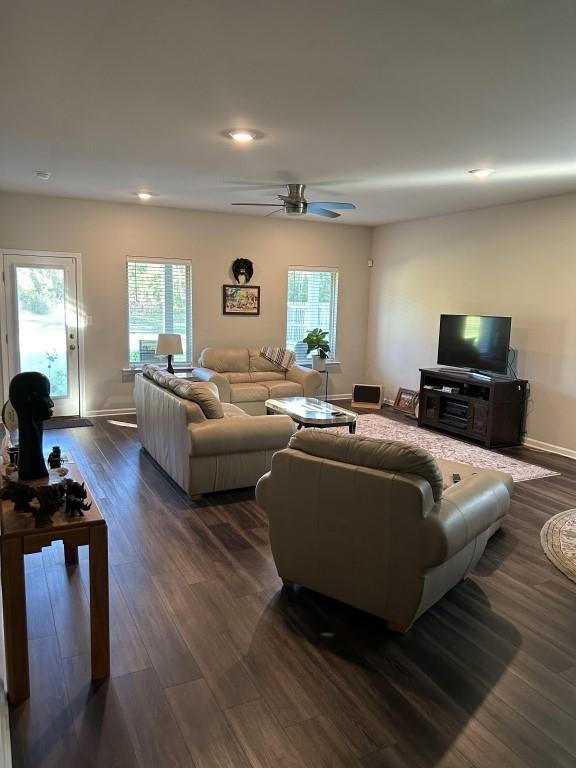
(76, 495)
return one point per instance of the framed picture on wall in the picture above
(241, 299)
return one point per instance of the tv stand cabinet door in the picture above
(429, 407)
(479, 419)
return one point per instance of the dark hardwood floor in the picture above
(214, 666)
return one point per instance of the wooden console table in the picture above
(19, 537)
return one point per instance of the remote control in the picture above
(456, 477)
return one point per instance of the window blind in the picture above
(159, 301)
(312, 303)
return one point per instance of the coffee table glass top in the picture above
(311, 412)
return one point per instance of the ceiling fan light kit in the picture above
(295, 204)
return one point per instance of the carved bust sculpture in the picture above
(30, 395)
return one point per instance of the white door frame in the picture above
(4, 375)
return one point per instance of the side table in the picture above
(20, 537)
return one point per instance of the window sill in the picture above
(129, 373)
(328, 364)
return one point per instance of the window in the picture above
(312, 303)
(159, 301)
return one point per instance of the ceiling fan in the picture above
(295, 204)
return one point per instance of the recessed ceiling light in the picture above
(481, 173)
(144, 195)
(243, 137)
(44, 175)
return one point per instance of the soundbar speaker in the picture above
(367, 396)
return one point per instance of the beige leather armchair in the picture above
(246, 379)
(375, 524)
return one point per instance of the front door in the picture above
(41, 323)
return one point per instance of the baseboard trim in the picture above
(530, 442)
(111, 412)
(539, 445)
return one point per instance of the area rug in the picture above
(443, 447)
(558, 539)
(66, 422)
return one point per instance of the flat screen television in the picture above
(474, 341)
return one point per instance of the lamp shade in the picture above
(169, 344)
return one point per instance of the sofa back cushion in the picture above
(225, 359)
(388, 455)
(203, 393)
(259, 364)
(157, 374)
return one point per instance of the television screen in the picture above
(474, 341)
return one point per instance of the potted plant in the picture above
(316, 340)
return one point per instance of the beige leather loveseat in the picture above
(375, 524)
(204, 445)
(246, 379)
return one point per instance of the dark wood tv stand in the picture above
(488, 410)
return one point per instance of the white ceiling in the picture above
(387, 102)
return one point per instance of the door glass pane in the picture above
(41, 301)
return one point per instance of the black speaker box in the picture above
(367, 396)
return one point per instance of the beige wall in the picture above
(517, 260)
(105, 233)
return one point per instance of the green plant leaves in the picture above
(316, 339)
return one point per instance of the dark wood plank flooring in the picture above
(214, 666)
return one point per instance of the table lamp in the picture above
(169, 344)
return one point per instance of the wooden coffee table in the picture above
(310, 412)
(19, 537)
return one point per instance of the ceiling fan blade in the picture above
(267, 205)
(324, 212)
(336, 206)
(255, 185)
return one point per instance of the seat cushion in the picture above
(283, 388)
(232, 411)
(248, 393)
(267, 376)
(450, 468)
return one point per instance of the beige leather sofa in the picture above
(377, 524)
(246, 379)
(204, 445)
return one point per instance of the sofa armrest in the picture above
(307, 377)
(206, 374)
(216, 437)
(469, 508)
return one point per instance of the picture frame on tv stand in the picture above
(407, 402)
